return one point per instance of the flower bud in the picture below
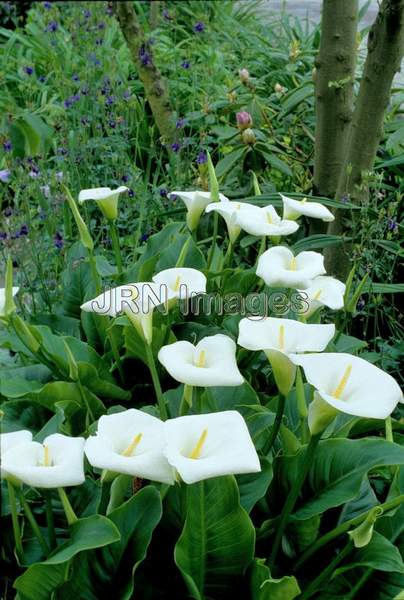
(314, 74)
(244, 120)
(248, 137)
(279, 89)
(244, 76)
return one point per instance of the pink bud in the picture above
(244, 75)
(244, 119)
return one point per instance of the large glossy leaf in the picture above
(339, 467)
(217, 542)
(379, 554)
(108, 572)
(40, 580)
(253, 486)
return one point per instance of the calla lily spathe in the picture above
(196, 202)
(293, 209)
(279, 267)
(348, 384)
(106, 199)
(136, 300)
(130, 442)
(10, 440)
(324, 291)
(212, 362)
(265, 221)
(279, 338)
(229, 211)
(58, 462)
(182, 281)
(3, 299)
(204, 446)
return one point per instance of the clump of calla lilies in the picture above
(193, 444)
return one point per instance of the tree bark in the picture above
(154, 86)
(154, 14)
(385, 52)
(335, 73)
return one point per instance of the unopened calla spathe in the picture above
(57, 462)
(265, 222)
(106, 199)
(182, 282)
(130, 442)
(279, 338)
(279, 267)
(203, 446)
(324, 291)
(348, 384)
(212, 362)
(3, 311)
(196, 202)
(293, 209)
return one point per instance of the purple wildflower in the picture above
(392, 225)
(3, 235)
(42, 78)
(75, 77)
(8, 211)
(126, 95)
(109, 101)
(144, 237)
(47, 5)
(101, 25)
(112, 123)
(176, 147)
(84, 90)
(131, 193)
(173, 197)
(361, 303)
(125, 178)
(62, 151)
(34, 173)
(85, 121)
(199, 27)
(180, 123)
(144, 56)
(24, 230)
(5, 175)
(7, 146)
(58, 240)
(87, 14)
(163, 192)
(52, 27)
(59, 175)
(99, 42)
(186, 65)
(202, 158)
(28, 70)
(67, 103)
(166, 15)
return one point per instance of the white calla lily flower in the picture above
(58, 462)
(279, 338)
(293, 209)
(212, 362)
(348, 384)
(3, 299)
(106, 199)
(196, 202)
(136, 300)
(183, 282)
(229, 211)
(278, 266)
(324, 291)
(265, 221)
(10, 440)
(204, 446)
(130, 442)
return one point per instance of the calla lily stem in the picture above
(156, 383)
(49, 519)
(186, 400)
(116, 354)
(115, 244)
(343, 528)
(67, 507)
(277, 423)
(214, 236)
(32, 522)
(14, 518)
(327, 572)
(293, 495)
(389, 429)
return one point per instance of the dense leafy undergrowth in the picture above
(190, 405)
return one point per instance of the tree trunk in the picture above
(154, 86)
(335, 72)
(385, 51)
(154, 14)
